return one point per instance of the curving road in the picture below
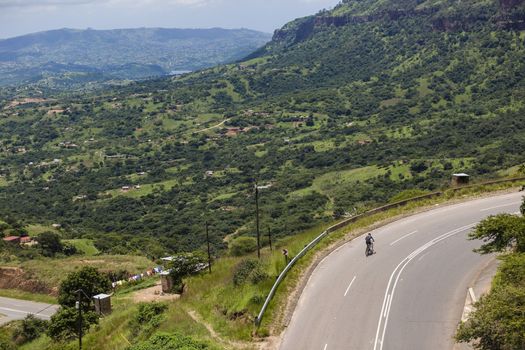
(408, 296)
(15, 309)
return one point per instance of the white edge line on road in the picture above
(22, 312)
(405, 236)
(387, 301)
(325, 346)
(500, 206)
(350, 285)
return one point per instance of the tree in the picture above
(500, 232)
(49, 243)
(64, 324)
(89, 280)
(498, 322)
(184, 265)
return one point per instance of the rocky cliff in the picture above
(508, 14)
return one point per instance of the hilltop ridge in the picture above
(442, 15)
(64, 56)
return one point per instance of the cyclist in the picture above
(369, 244)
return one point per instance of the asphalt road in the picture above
(408, 296)
(14, 309)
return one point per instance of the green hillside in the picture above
(392, 100)
(342, 111)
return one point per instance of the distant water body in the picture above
(179, 72)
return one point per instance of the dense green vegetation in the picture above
(338, 120)
(498, 322)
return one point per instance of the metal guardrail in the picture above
(346, 222)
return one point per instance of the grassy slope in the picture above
(83, 245)
(52, 271)
(213, 301)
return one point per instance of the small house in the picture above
(166, 282)
(12, 239)
(460, 179)
(102, 304)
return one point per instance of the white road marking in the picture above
(387, 301)
(350, 285)
(396, 274)
(21, 312)
(501, 206)
(472, 295)
(325, 346)
(405, 236)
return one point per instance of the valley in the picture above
(369, 103)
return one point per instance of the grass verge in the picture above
(18, 294)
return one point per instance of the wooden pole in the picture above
(270, 237)
(257, 220)
(208, 241)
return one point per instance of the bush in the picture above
(243, 245)
(49, 243)
(64, 324)
(30, 329)
(165, 341)
(249, 270)
(418, 166)
(69, 249)
(149, 311)
(148, 318)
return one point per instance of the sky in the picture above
(18, 17)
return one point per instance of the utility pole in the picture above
(270, 238)
(208, 241)
(257, 220)
(79, 307)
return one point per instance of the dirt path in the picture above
(212, 127)
(153, 294)
(224, 342)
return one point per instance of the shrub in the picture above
(249, 270)
(165, 341)
(64, 324)
(243, 245)
(149, 311)
(148, 318)
(30, 329)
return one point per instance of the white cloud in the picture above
(33, 3)
(132, 3)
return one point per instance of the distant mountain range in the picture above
(64, 57)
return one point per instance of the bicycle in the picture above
(369, 249)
